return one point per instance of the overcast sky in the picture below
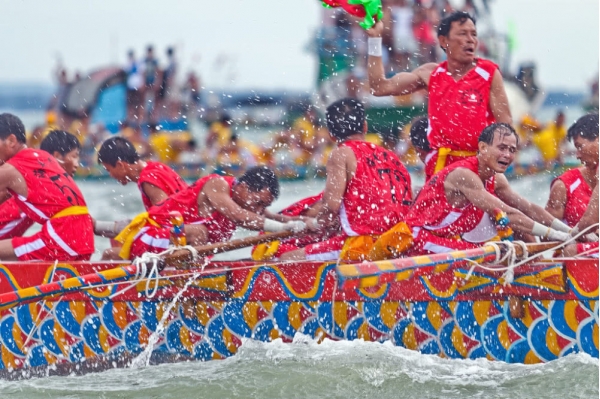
(265, 40)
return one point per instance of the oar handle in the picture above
(536, 247)
(179, 257)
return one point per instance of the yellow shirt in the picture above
(161, 145)
(548, 141)
(306, 129)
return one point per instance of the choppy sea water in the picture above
(305, 369)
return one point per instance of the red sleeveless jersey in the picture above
(161, 176)
(186, 202)
(378, 195)
(578, 195)
(459, 111)
(13, 221)
(432, 211)
(297, 208)
(51, 190)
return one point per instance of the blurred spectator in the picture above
(135, 88)
(445, 8)
(404, 42)
(424, 34)
(133, 133)
(165, 97)
(219, 135)
(191, 96)
(63, 84)
(550, 140)
(471, 8)
(150, 77)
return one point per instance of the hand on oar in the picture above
(179, 257)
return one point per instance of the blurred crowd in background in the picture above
(159, 95)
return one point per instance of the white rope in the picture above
(153, 274)
(511, 256)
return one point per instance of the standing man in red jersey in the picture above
(466, 93)
(46, 194)
(368, 189)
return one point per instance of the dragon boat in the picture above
(63, 318)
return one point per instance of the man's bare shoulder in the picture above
(463, 177)
(340, 153)
(425, 70)
(216, 184)
(7, 171)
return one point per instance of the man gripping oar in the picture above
(47, 194)
(212, 208)
(368, 189)
(571, 194)
(453, 210)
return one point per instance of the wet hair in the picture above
(345, 117)
(504, 129)
(586, 127)
(117, 149)
(418, 133)
(60, 141)
(446, 23)
(11, 124)
(259, 178)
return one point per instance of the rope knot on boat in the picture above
(157, 264)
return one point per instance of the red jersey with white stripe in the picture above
(578, 195)
(378, 195)
(50, 190)
(459, 110)
(13, 221)
(186, 202)
(160, 175)
(432, 211)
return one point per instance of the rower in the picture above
(452, 210)
(367, 191)
(466, 93)
(46, 194)
(212, 208)
(574, 194)
(65, 148)
(156, 181)
(570, 192)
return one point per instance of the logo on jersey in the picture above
(471, 97)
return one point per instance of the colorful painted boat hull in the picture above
(431, 310)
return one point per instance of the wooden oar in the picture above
(370, 274)
(179, 258)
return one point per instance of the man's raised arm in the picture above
(399, 84)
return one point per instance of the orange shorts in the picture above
(426, 243)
